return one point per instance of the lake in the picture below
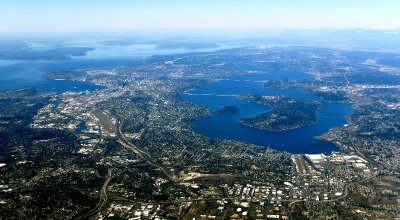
(222, 126)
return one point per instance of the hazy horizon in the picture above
(73, 16)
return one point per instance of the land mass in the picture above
(228, 110)
(19, 50)
(136, 156)
(286, 114)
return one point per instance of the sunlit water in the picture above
(223, 126)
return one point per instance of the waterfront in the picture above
(225, 126)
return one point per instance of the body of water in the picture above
(29, 74)
(223, 126)
(23, 74)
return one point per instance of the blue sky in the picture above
(18, 16)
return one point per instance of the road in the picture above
(139, 152)
(347, 186)
(345, 194)
(147, 157)
(102, 200)
(128, 145)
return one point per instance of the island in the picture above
(130, 150)
(228, 110)
(287, 113)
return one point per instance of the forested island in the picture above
(286, 114)
(228, 110)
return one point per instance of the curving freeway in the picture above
(102, 200)
(139, 152)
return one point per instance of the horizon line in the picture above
(199, 30)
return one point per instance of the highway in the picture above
(139, 152)
(147, 157)
(102, 200)
(127, 144)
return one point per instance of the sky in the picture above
(25, 16)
